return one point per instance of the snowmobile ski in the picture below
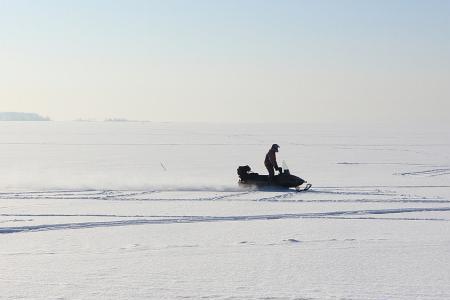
(303, 189)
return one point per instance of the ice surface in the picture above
(153, 211)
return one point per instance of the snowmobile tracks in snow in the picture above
(429, 173)
(62, 219)
(148, 220)
(351, 194)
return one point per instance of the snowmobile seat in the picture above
(245, 175)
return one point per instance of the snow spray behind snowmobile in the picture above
(283, 179)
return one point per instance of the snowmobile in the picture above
(284, 179)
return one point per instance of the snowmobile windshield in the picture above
(284, 165)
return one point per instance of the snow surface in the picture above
(92, 210)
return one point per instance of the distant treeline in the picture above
(21, 116)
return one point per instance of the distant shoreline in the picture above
(22, 116)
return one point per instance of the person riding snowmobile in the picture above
(271, 161)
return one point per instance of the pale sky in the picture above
(229, 60)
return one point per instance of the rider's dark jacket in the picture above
(271, 159)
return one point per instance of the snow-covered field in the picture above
(153, 211)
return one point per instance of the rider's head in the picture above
(275, 147)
